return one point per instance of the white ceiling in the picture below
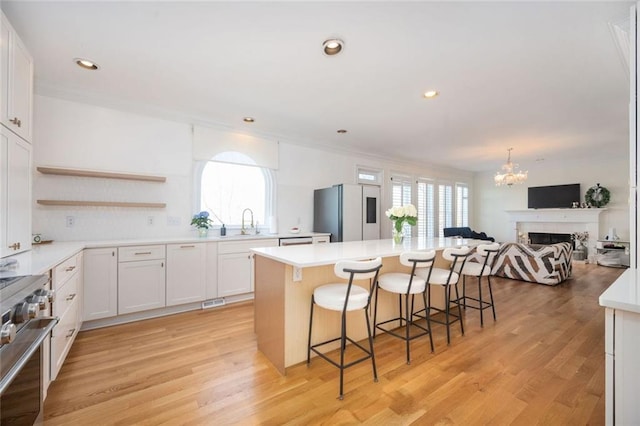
(545, 78)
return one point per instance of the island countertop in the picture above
(303, 256)
(624, 293)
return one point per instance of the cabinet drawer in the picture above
(62, 337)
(65, 270)
(244, 246)
(66, 296)
(130, 254)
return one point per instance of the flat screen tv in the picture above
(554, 196)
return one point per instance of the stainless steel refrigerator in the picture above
(348, 212)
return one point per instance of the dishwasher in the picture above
(295, 241)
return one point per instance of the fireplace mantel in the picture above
(555, 215)
(556, 221)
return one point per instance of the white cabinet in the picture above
(141, 278)
(235, 265)
(186, 273)
(67, 306)
(15, 197)
(211, 275)
(323, 239)
(622, 350)
(16, 107)
(100, 283)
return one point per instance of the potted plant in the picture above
(202, 222)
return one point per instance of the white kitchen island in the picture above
(285, 278)
(622, 349)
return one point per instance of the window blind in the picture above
(462, 205)
(445, 207)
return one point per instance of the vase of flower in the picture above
(399, 215)
(203, 232)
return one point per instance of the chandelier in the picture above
(508, 176)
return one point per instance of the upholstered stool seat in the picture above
(332, 297)
(406, 284)
(343, 298)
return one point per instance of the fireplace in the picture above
(548, 238)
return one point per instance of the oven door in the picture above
(21, 374)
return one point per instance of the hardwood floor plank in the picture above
(541, 362)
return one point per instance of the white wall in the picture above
(76, 135)
(491, 202)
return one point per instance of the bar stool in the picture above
(406, 285)
(345, 297)
(489, 254)
(447, 278)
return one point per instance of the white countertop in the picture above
(43, 257)
(326, 254)
(624, 293)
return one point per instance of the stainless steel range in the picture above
(24, 306)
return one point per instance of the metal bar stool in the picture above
(406, 285)
(447, 278)
(345, 297)
(489, 254)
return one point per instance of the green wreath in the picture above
(597, 196)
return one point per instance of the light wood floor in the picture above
(542, 362)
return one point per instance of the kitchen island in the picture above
(285, 278)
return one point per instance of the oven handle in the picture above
(13, 372)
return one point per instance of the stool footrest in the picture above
(424, 331)
(452, 317)
(336, 364)
(481, 304)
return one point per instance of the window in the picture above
(401, 195)
(426, 208)
(445, 207)
(226, 190)
(369, 176)
(462, 204)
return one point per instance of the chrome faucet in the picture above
(243, 230)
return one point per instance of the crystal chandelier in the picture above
(508, 176)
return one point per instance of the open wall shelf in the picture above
(101, 204)
(97, 174)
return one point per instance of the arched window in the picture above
(226, 189)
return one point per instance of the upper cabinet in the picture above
(15, 197)
(16, 107)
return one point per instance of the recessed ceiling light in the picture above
(248, 119)
(331, 47)
(341, 131)
(431, 94)
(86, 64)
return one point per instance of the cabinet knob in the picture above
(16, 121)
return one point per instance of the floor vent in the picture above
(213, 303)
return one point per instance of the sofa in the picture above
(542, 264)
(466, 232)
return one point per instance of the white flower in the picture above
(410, 210)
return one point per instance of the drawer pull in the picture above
(15, 246)
(71, 296)
(16, 121)
(142, 252)
(191, 246)
(70, 268)
(70, 333)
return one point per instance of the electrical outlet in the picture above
(71, 221)
(150, 221)
(173, 221)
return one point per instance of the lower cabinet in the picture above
(235, 265)
(186, 270)
(67, 306)
(141, 278)
(100, 283)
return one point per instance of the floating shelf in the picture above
(96, 174)
(101, 204)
